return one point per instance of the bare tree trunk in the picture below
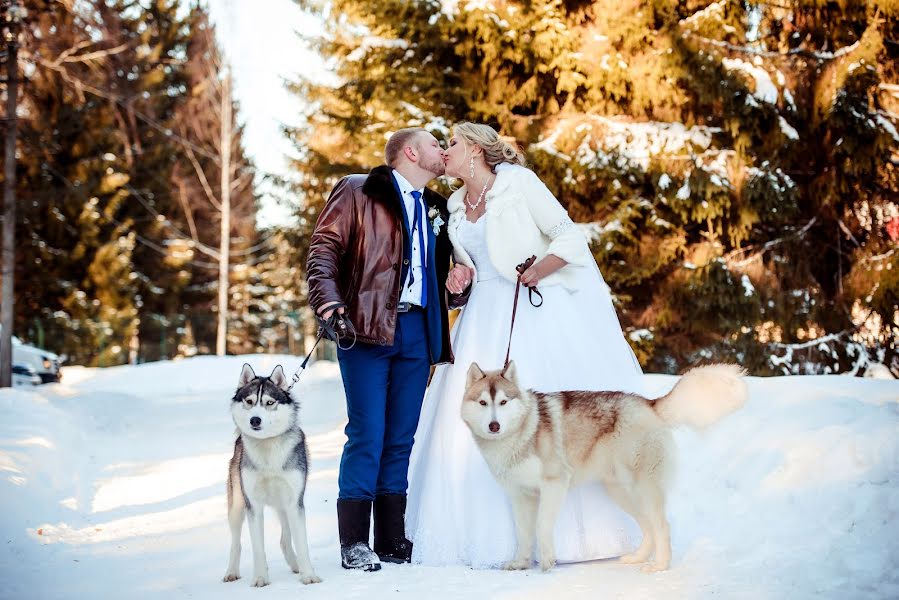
(225, 244)
(7, 297)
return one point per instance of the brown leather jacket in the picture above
(356, 256)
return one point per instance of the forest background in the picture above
(734, 165)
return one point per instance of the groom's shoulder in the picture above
(378, 183)
(348, 185)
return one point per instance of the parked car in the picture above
(44, 362)
(24, 376)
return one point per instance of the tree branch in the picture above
(188, 213)
(767, 246)
(210, 195)
(819, 56)
(92, 55)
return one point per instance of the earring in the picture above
(471, 167)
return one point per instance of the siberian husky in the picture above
(269, 467)
(538, 446)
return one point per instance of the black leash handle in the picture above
(337, 327)
(334, 328)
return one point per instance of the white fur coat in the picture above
(523, 219)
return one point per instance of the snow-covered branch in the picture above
(800, 52)
(765, 247)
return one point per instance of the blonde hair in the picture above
(496, 149)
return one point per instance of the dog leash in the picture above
(531, 292)
(333, 328)
(299, 371)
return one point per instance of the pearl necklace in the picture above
(480, 197)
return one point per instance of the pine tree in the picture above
(75, 254)
(106, 219)
(733, 162)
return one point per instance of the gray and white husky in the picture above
(538, 446)
(269, 467)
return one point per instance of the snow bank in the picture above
(113, 485)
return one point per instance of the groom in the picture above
(380, 255)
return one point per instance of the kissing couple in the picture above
(392, 257)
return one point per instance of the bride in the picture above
(457, 513)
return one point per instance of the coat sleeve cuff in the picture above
(458, 300)
(569, 244)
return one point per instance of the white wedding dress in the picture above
(456, 512)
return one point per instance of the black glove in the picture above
(338, 328)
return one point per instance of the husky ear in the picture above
(474, 374)
(510, 373)
(278, 378)
(246, 375)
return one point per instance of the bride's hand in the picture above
(549, 265)
(458, 279)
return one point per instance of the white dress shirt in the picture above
(412, 293)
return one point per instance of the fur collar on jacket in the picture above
(379, 185)
(506, 175)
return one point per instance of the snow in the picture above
(114, 486)
(878, 371)
(429, 122)
(765, 90)
(887, 126)
(664, 181)
(605, 140)
(370, 41)
(748, 288)
(788, 129)
(714, 10)
(639, 335)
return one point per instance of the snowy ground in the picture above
(112, 485)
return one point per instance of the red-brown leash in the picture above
(531, 292)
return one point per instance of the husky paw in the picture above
(631, 559)
(293, 564)
(229, 577)
(310, 578)
(654, 567)
(519, 564)
(261, 581)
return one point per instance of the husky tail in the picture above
(704, 396)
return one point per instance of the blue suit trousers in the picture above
(384, 386)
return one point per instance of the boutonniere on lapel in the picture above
(436, 220)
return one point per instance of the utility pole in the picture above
(225, 243)
(12, 15)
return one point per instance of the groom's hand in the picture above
(327, 310)
(458, 279)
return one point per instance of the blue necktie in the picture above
(416, 196)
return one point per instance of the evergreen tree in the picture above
(733, 162)
(107, 255)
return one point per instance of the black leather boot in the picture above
(353, 520)
(391, 544)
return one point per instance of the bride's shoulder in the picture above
(455, 200)
(510, 176)
(515, 172)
